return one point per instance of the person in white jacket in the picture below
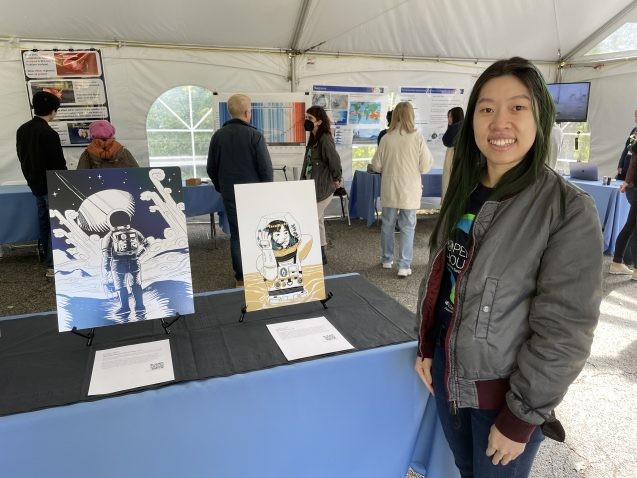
(401, 158)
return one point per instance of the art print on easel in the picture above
(120, 246)
(280, 246)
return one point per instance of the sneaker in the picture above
(50, 272)
(634, 277)
(404, 272)
(619, 268)
(387, 265)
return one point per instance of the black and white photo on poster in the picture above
(120, 246)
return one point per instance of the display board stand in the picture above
(88, 337)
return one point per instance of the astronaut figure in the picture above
(121, 249)
(282, 250)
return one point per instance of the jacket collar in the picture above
(238, 121)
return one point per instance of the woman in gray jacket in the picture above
(512, 291)
(322, 164)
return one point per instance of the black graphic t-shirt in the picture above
(457, 252)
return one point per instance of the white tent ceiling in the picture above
(541, 30)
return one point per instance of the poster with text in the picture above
(120, 246)
(280, 244)
(76, 77)
(430, 108)
(279, 116)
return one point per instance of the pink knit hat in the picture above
(101, 129)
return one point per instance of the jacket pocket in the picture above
(486, 307)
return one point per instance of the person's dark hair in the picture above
(324, 128)
(633, 150)
(468, 162)
(44, 103)
(457, 114)
(388, 116)
(119, 219)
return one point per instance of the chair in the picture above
(341, 193)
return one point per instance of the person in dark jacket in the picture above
(322, 164)
(627, 238)
(455, 117)
(624, 159)
(105, 151)
(237, 155)
(384, 132)
(511, 296)
(40, 150)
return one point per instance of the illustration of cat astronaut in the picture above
(283, 248)
(121, 249)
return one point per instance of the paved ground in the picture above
(598, 413)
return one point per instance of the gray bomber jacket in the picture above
(527, 304)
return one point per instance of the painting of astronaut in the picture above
(120, 246)
(280, 245)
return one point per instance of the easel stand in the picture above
(88, 337)
(323, 303)
(166, 325)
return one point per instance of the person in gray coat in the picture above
(512, 291)
(238, 154)
(322, 164)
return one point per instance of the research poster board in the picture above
(120, 246)
(280, 244)
(430, 108)
(76, 77)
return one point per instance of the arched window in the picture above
(179, 126)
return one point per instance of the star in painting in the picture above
(99, 176)
(55, 193)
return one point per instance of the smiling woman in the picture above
(505, 330)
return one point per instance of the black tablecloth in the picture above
(40, 367)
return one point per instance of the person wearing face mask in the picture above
(322, 164)
(510, 299)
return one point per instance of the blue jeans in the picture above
(626, 244)
(44, 225)
(407, 224)
(468, 434)
(235, 246)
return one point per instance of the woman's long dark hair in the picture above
(324, 128)
(457, 114)
(469, 164)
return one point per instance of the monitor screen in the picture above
(571, 101)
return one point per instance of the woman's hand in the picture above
(338, 183)
(423, 369)
(622, 187)
(503, 449)
(264, 240)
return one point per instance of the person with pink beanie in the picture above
(104, 151)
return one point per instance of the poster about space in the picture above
(120, 246)
(280, 244)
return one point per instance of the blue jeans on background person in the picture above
(468, 441)
(626, 243)
(235, 246)
(407, 224)
(44, 226)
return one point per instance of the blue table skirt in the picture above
(19, 213)
(365, 190)
(612, 207)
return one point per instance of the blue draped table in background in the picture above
(365, 190)
(19, 213)
(612, 207)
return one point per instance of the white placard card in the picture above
(131, 366)
(308, 337)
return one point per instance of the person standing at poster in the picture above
(322, 164)
(105, 151)
(401, 158)
(455, 117)
(237, 155)
(40, 150)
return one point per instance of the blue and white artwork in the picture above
(120, 246)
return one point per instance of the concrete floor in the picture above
(598, 413)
